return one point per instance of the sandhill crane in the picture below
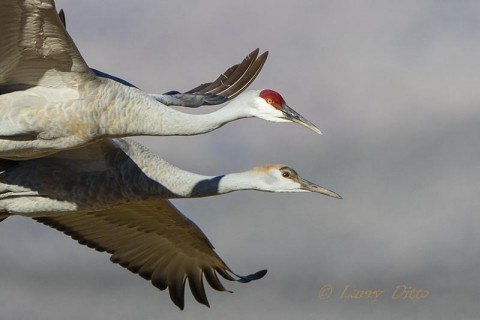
(113, 172)
(111, 196)
(43, 76)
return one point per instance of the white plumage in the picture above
(110, 192)
(60, 165)
(44, 77)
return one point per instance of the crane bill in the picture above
(294, 116)
(312, 187)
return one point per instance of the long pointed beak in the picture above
(294, 116)
(312, 187)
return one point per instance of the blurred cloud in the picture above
(393, 86)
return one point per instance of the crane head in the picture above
(271, 106)
(280, 178)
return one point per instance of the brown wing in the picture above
(226, 87)
(236, 78)
(35, 48)
(154, 240)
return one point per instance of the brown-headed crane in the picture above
(112, 196)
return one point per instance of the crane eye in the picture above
(269, 100)
(285, 174)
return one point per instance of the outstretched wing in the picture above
(35, 49)
(154, 240)
(236, 78)
(226, 87)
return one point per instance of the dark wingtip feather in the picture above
(61, 15)
(230, 76)
(233, 88)
(159, 283)
(177, 293)
(213, 280)
(251, 277)
(198, 290)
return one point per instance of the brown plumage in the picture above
(139, 237)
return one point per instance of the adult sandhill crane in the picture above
(44, 77)
(111, 196)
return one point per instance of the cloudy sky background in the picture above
(394, 86)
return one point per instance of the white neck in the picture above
(166, 180)
(134, 113)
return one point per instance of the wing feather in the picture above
(236, 78)
(153, 239)
(35, 48)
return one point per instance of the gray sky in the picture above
(394, 87)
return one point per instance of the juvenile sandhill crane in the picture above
(113, 172)
(44, 77)
(111, 196)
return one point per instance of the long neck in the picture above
(132, 112)
(183, 184)
(160, 178)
